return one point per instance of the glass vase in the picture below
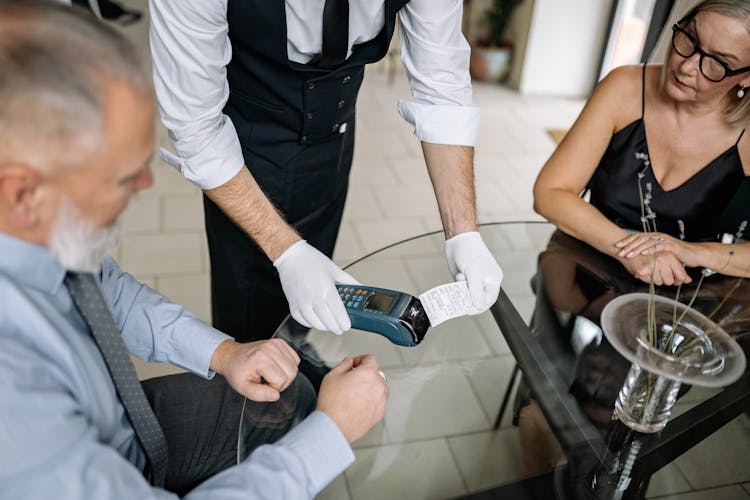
(668, 343)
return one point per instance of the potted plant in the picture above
(490, 56)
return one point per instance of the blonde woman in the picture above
(663, 152)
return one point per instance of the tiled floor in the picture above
(390, 199)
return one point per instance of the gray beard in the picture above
(77, 244)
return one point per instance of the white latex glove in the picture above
(470, 260)
(308, 279)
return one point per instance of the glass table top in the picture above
(438, 438)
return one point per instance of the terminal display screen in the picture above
(381, 301)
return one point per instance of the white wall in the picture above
(565, 42)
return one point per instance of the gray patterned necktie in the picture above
(90, 302)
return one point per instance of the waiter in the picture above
(259, 98)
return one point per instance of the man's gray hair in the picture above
(54, 64)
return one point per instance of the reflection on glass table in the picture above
(438, 438)
(575, 285)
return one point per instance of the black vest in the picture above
(280, 107)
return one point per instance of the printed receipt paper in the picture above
(447, 301)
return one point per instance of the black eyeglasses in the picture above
(712, 68)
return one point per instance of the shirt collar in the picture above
(30, 264)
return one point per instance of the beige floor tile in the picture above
(409, 170)
(377, 234)
(428, 272)
(697, 394)
(203, 244)
(183, 212)
(407, 200)
(494, 139)
(486, 324)
(432, 223)
(348, 249)
(386, 273)
(361, 204)
(489, 458)
(722, 458)
(489, 378)
(142, 215)
(161, 254)
(423, 470)
(734, 492)
(667, 481)
(518, 272)
(372, 171)
(419, 246)
(418, 408)
(371, 160)
(525, 305)
(332, 348)
(375, 437)
(337, 490)
(457, 339)
(492, 201)
(168, 181)
(193, 291)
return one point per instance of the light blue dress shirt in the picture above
(63, 431)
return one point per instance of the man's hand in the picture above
(470, 260)
(258, 370)
(354, 394)
(309, 279)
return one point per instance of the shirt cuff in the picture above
(214, 164)
(210, 341)
(193, 347)
(442, 124)
(322, 447)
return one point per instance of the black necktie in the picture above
(90, 302)
(335, 33)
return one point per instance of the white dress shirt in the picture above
(191, 48)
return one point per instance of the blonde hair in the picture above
(738, 112)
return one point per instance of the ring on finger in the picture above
(385, 379)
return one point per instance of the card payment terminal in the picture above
(397, 316)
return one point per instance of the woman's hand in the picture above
(652, 243)
(666, 267)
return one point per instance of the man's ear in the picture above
(19, 195)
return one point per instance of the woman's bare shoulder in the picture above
(621, 92)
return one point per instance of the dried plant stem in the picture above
(651, 311)
(674, 310)
(692, 299)
(644, 219)
(724, 299)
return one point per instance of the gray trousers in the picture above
(201, 422)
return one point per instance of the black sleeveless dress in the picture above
(714, 201)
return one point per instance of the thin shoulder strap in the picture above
(643, 92)
(740, 137)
